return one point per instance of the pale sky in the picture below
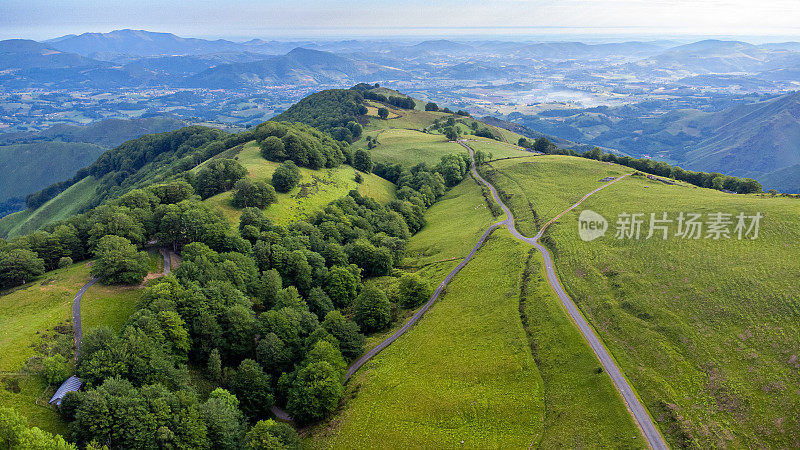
(44, 19)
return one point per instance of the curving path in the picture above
(643, 420)
(76, 314)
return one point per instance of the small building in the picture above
(73, 384)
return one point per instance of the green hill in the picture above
(702, 328)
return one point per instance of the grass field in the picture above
(34, 308)
(408, 147)
(317, 188)
(25, 313)
(64, 205)
(707, 331)
(546, 184)
(29, 312)
(582, 407)
(496, 148)
(463, 377)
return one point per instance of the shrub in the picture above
(362, 161)
(383, 113)
(413, 290)
(65, 261)
(286, 177)
(372, 310)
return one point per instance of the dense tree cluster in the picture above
(431, 106)
(218, 175)
(300, 143)
(286, 177)
(157, 153)
(402, 102)
(248, 193)
(331, 111)
(362, 161)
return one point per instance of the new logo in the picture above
(591, 225)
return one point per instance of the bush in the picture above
(286, 177)
(383, 113)
(256, 194)
(65, 261)
(56, 369)
(372, 310)
(118, 262)
(362, 161)
(413, 290)
(272, 148)
(431, 106)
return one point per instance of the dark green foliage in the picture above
(327, 110)
(383, 113)
(214, 366)
(414, 291)
(15, 434)
(341, 285)
(253, 389)
(219, 175)
(223, 420)
(19, 266)
(315, 391)
(431, 106)
(272, 148)
(451, 133)
(147, 159)
(319, 302)
(118, 261)
(362, 161)
(122, 416)
(372, 310)
(453, 168)
(270, 435)
(249, 193)
(389, 172)
(402, 102)
(660, 168)
(286, 177)
(375, 261)
(346, 332)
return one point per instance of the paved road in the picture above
(643, 420)
(76, 314)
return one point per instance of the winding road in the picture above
(643, 420)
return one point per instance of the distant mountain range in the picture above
(759, 140)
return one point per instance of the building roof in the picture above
(72, 384)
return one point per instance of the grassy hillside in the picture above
(25, 168)
(74, 200)
(706, 330)
(317, 188)
(463, 375)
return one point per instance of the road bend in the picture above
(638, 411)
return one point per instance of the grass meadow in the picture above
(464, 376)
(707, 331)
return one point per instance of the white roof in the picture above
(72, 384)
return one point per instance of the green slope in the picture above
(706, 330)
(26, 168)
(74, 200)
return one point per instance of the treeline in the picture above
(394, 100)
(161, 157)
(151, 158)
(335, 111)
(711, 180)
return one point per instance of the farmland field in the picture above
(706, 330)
